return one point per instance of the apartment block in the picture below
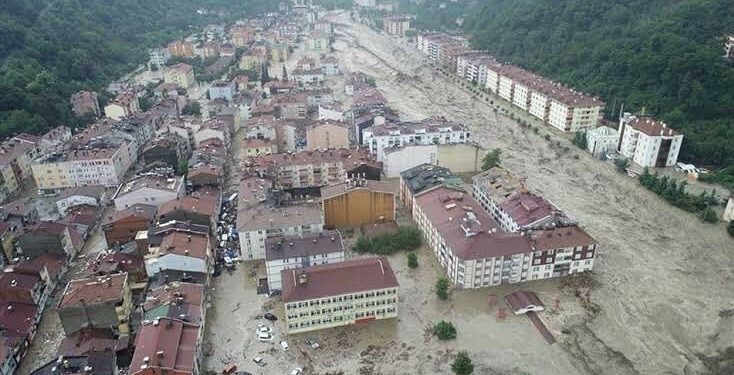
(327, 134)
(105, 166)
(291, 252)
(339, 294)
(124, 105)
(357, 202)
(85, 102)
(181, 48)
(181, 74)
(435, 130)
(396, 25)
(648, 142)
(729, 47)
(150, 190)
(423, 177)
(103, 302)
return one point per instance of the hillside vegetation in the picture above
(663, 56)
(52, 48)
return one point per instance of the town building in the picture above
(16, 156)
(434, 45)
(166, 345)
(290, 252)
(180, 256)
(122, 226)
(168, 149)
(19, 321)
(339, 294)
(181, 48)
(241, 35)
(257, 223)
(422, 177)
(124, 105)
(202, 211)
(524, 211)
(181, 74)
(47, 237)
(356, 202)
(99, 302)
(475, 252)
(222, 89)
(82, 195)
(396, 25)
(602, 140)
(330, 66)
(729, 47)
(327, 135)
(153, 190)
(85, 102)
(729, 210)
(648, 142)
(314, 169)
(318, 42)
(20, 287)
(304, 77)
(494, 186)
(159, 56)
(279, 52)
(331, 112)
(205, 175)
(434, 131)
(177, 300)
(255, 147)
(92, 363)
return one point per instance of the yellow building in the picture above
(181, 74)
(339, 294)
(279, 52)
(354, 203)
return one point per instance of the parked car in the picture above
(284, 344)
(312, 343)
(270, 317)
(297, 371)
(230, 368)
(263, 336)
(274, 293)
(259, 361)
(263, 328)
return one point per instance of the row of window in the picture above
(326, 301)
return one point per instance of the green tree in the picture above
(444, 330)
(579, 139)
(192, 109)
(442, 288)
(709, 215)
(405, 238)
(491, 159)
(462, 364)
(412, 259)
(621, 164)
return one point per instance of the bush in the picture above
(412, 259)
(676, 194)
(406, 238)
(462, 364)
(442, 288)
(621, 164)
(547, 137)
(730, 228)
(444, 330)
(710, 216)
(491, 159)
(535, 130)
(579, 139)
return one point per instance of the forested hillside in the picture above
(52, 48)
(661, 55)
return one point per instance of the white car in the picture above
(264, 329)
(284, 345)
(262, 336)
(297, 371)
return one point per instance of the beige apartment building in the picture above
(396, 25)
(98, 166)
(339, 294)
(181, 74)
(327, 134)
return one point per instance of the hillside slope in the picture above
(663, 56)
(52, 48)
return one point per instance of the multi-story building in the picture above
(166, 345)
(222, 89)
(314, 169)
(180, 256)
(436, 45)
(259, 222)
(318, 42)
(648, 142)
(278, 52)
(81, 167)
(180, 74)
(159, 56)
(242, 35)
(474, 252)
(327, 134)
(339, 294)
(102, 302)
(524, 211)
(153, 190)
(356, 202)
(330, 66)
(436, 130)
(415, 180)
(16, 156)
(181, 48)
(396, 25)
(472, 66)
(602, 140)
(125, 104)
(729, 47)
(290, 252)
(122, 226)
(85, 102)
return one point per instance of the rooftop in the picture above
(557, 238)
(284, 247)
(498, 184)
(181, 243)
(93, 290)
(652, 127)
(165, 343)
(335, 279)
(179, 300)
(136, 210)
(527, 208)
(263, 217)
(94, 363)
(181, 67)
(205, 206)
(153, 182)
(466, 228)
(345, 187)
(424, 176)
(348, 158)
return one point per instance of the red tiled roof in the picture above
(18, 281)
(338, 278)
(205, 206)
(93, 290)
(136, 210)
(558, 238)
(174, 338)
(467, 229)
(652, 127)
(527, 208)
(181, 243)
(91, 340)
(17, 317)
(53, 263)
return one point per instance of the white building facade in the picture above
(648, 142)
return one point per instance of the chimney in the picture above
(188, 238)
(302, 278)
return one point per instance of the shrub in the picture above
(730, 228)
(710, 216)
(491, 159)
(621, 164)
(412, 259)
(442, 288)
(535, 129)
(406, 238)
(462, 364)
(444, 330)
(547, 137)
(579, 139)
